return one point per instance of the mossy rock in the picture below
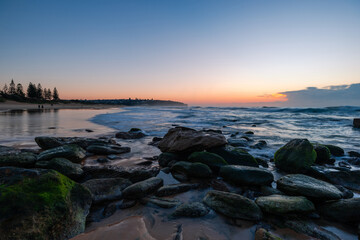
(279, 204)
(63, 166)
(335, 150)
(323, 155)
(213, 160)
(296, 156)
(165, 158)
(41, 204)
(196, 170)
(235, 156)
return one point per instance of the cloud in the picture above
(340, 95)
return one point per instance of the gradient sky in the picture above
(198, 51)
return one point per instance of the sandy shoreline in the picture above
(12, 105)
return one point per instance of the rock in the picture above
(196, 170)
(356, 123)
(243, 175)
(143, 188)
(238, 142)
(323, 155)
(107, 149)
(354, 161)
(17, 159)
(267, 190)
(343, 210)
(113, 157)
(62, 165)
(41, 204)
(335, 150)
(161, 202)
(102, 160)
(298, 184)
(106, 189)
(133, 173)
(235, 156)
(260, 144)
(168, 190)
(296, 156)
(262, 234)
(233, 205)
(193, 210)
(165, 158)
(262, 162)
(344, 164)
(279, 204)
(53, 142)
(311, 229)
(354, 154)
(345, 178)
(346, 193)
(73, 153)
(187, 140)
(132, 134)
(249, 132)
(213, 160)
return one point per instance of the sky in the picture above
(201, 52)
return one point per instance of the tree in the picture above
(20, 90)
(44, 93)
(39, 92)
(5, 89)
(12, 89)
(55, 95)
(31, 91)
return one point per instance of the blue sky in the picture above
(210, 52)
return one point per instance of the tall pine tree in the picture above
(55, 95)
(12, 89)
(31, 91)
(20, 90)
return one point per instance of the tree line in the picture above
(16, 92)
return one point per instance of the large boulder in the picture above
(323, 155)
(106, 189)
(187, 140)
(302, 185)
(335, 150)
(143, 188)
(41, 204)
(53, 142)
(244, 175)
(196, 170)
(343, 210)
(296, 156)
(233, 205)
(235, 156)
(18, 159)
(73, 153)
(62, 165)
(280, 204)
(213, 160)
(107, 149)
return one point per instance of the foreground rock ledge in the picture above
(41, 204)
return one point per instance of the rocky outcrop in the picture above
(233, 205)
(187, 140)
(62, 165)
(243, 175)
(280, 204)
(296, 156)
(106, 189)
(41, 204)
(302, 185)
(235, 156)
(143, 188)
(73, 153)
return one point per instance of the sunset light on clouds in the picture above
(197, 52)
